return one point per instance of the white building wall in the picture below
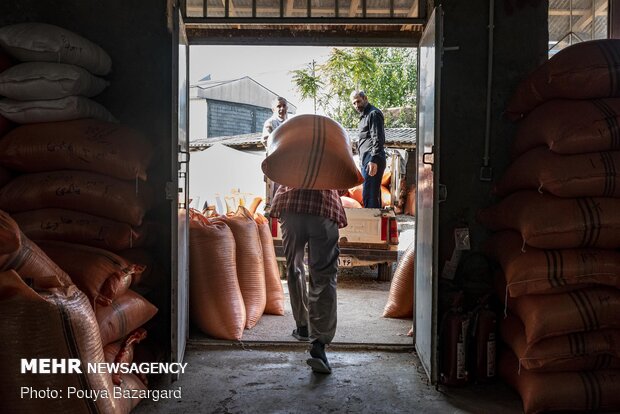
(198, 118)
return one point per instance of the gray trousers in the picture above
(314, 307)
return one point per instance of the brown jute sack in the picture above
(5, 175)
(356, 193)
(76, 227)
(400, 299)
(583, 175)
(102, 275)
(215, 301)
(83, 144)
(250, 264)
(550, 222)
(142, 257)
(273, 285)
(87, 192)
(58, 324)
(571, 127)
(311, 152)
(121, 352)
(585, 310)
(586, 70)
(9, 234)
(34, 266)
(562, 391)
(126, 313)
(581, 351)
(529, 270)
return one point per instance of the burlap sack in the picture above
(311, 152)
(273, 286)
(250, 264)
(126, 313)
(102, 275)
(580, 392)
(82, 228)
(585, 310)
(529, 270)
(57, 324)
(83, 144)
(586, 70)
(400, 299)
(215, 301)
(581, 351)
(82, 191)
(571, 127)
(582, 175)
(550, 222)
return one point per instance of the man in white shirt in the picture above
(280, 108)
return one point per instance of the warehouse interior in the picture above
(485, 50)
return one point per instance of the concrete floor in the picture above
(267, 372)
(276, 379)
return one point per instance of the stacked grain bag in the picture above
(558, 233)
(78, 183)
(234, 275)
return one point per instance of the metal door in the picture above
(180, 231)
(430, 53)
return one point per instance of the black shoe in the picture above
(318, 362)
(301, 333)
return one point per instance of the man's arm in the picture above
(377, 135)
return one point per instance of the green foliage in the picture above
(387, 75)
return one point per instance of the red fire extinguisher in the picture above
(484, 344)
(453, 336)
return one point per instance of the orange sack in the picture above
(348, 202)
(83, 144)
(273, 285)
(581, 351)
(529, 270)
(356, 193)
(87, 192)
(550, 222)
(101, 275)
(58, 324)
(386, 196)
(76, 227)
(311, 152)
(121, 352)
(571, 127)
(250, 264)
(215, 301)
(561, 391)
(400, 299)
(588, 309)
(583, 175)
(126, 313)
(30, 261)
(586, 70)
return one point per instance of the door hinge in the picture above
(442, 193)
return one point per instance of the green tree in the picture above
(388, 75)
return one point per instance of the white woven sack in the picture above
(42, 80)
(64, 109)
(41, 42)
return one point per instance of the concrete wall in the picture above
(520, 44)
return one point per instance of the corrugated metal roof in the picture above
(394, 138)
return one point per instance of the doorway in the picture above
(231, 90)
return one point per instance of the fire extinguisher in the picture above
(453, 335)
(484, 343)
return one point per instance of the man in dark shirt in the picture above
(311, 217)
(370, 148)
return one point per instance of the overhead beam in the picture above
(414, 10)
(355, 4)
(584, 21)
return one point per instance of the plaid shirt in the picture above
(325, 203)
